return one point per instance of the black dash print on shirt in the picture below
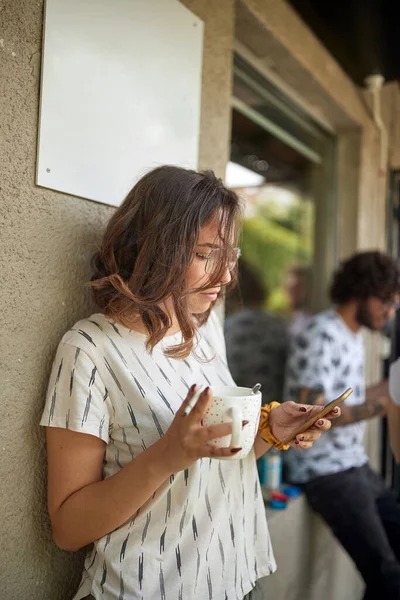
(97, 324)
(221, 379)
(241, 584)
(163, 398)
(162, 585)
(180, 594)
(92, 377)
(71, 382)
(236, 570)
(222, 553)
(86, 336)
(200, 482)
(185, 384)
(135, 516)
(144, 445)
(108, 539)
(109, 369)
(67, 419)
(168, 509)
(141, 570)
(226, 595)
(146, 526)
(103, 577)
(178, 560)
(209, 544)
(171, 478)
(118, 351)
(210, 593)
(121, 587)
(115, 328)
(117, 459)
(232, 530)
(52, 406)
(194, 527)
(94, 558)
(162, 541)
(255, 568)
(157, 422)
(132, 416)
(105, 394)
(59, 372)
(78, 351)
(247, 561)
(141, 364)
(186, 476)
(256, 489)
(197, 567)
(221, 477)
(182, 521)
(205, 377)
(123, 548)
(164, 375)
(208, 505)
(187, 364)
(101, 426)
(170, 363)
(87, 408)
(139, 387)
(131, 452)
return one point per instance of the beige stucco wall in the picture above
(46, 242)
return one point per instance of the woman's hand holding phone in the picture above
(300, 425)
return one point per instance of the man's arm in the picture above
(375, 405)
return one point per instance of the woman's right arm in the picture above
(83, 507)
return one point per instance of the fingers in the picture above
(216, 431)
(197, 412)
(336, 412)
(185, 404)
(305, 440)
(215, 452)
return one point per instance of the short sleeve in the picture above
(76, 397)
(394, 382)
(312, 357)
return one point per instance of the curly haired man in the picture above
(325, 359)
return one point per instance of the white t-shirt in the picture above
(203, 534)
(394, 382)
(329, 356)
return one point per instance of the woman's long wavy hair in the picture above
(149, 244)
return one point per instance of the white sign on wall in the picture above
(120, 94)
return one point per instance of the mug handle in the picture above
(236, 426)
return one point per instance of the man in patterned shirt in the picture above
(325, 359)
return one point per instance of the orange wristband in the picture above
(264, 430)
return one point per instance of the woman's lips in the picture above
(211, 296)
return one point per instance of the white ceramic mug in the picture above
(231, 404)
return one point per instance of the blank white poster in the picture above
(120, 94)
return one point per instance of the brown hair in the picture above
(149, 244)
(365, 275)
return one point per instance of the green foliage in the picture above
(271, 249)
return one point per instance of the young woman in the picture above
(128, 470)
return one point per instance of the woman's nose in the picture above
(226, 277)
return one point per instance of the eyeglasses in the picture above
(213, 258)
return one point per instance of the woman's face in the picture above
(197, 276)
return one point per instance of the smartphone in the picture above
(318, 416)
